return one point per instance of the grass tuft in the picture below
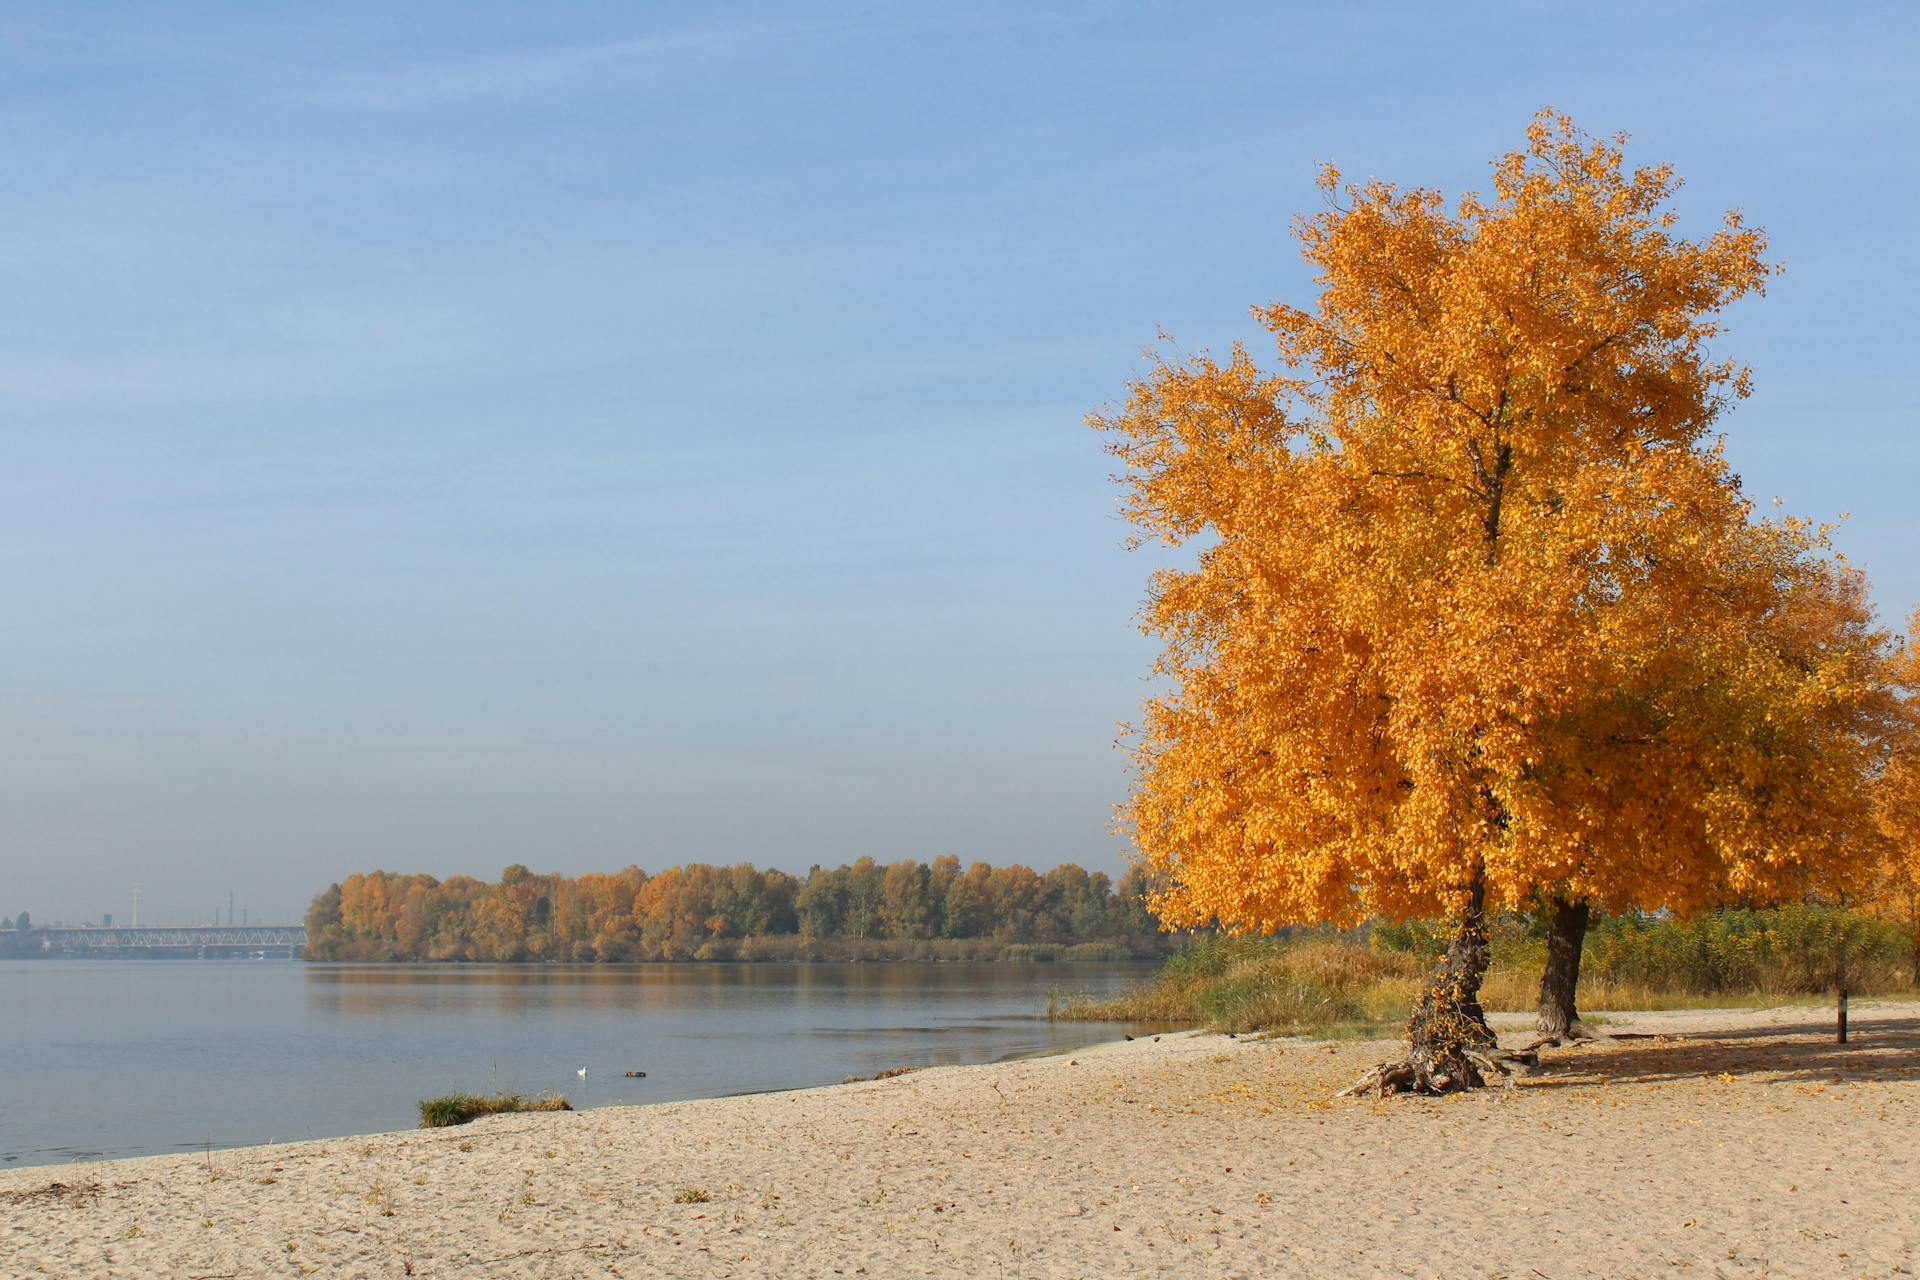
(459, 1108)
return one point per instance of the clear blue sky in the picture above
(584, 435)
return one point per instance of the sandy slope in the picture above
(1752, 1146)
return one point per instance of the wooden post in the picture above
(1841, 1011)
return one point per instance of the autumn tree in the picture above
(1898, 806)
(967, 908)
(905, 911)
(326, 935)
(1766, 707)
(1478, 616)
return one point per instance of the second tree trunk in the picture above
(1566, 936)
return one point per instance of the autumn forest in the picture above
(904, 910)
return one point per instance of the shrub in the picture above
(459, 1108)
(1311, 982)
(1797, 949)
(1098, 951)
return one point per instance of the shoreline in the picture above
(795, 962)
(216, 1149)
(1769, 1148)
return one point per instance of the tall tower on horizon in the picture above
(136, 906)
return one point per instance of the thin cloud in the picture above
(530, 70)
(494, 75)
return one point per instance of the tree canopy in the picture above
(1477, 606)
(1898, 894)
(702, 912)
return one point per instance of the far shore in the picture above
(1710, 1142)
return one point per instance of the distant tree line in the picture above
(18, 943)
(867, 910)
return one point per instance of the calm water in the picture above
(119, 1058)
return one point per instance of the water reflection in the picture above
(382, 990)
(131, 1057)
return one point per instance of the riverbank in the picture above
(1320, 982)
(1731, 1143)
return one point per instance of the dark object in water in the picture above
(636, 1075)
(1124, 1034)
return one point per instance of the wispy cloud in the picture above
(520, 71)
(528, 70)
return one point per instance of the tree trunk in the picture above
(1448, 1019)
(1450, 1046)
(1566, 935)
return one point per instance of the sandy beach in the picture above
(1727, 1144)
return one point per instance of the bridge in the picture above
(207, 941)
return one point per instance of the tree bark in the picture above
(1916, 952)
(1566, 935)
(1448, 1018)
(1450, 1047)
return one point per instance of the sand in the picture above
(1746, 1144)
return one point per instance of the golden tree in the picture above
(1478, 615)
(1898, 893)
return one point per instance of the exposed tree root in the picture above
(1575, 1033)
(1484, 1065)
(1437, 1074)
(1450, 1046)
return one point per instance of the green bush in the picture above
(1423, 938)
(1795, 949)
(459, 1108)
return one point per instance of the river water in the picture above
(108, 1058)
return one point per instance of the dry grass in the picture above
(1331, 984)
(1245, 984)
